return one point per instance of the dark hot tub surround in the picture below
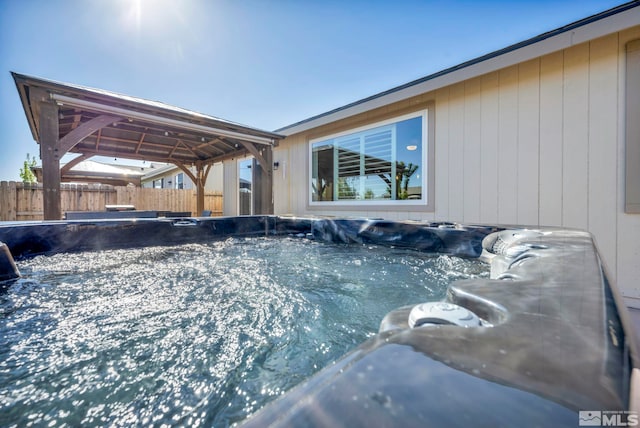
(554, 338)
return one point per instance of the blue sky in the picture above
(263, 63)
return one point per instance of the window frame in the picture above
(252, 162)
(424, 204)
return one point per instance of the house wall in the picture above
(169, 176)
(230, 202)
(537, 143)
(215, 178)
(213, 184)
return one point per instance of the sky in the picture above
(262, 63)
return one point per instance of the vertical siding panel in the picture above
(528, 141)
(489, 151)
(603, 103)
(551, 70)
(442, 155)
(299, 190)
(471, 156)
(281, 180)
(576, 137)
(508, 147)
(230, 201)
(456, 153)
(294, 175)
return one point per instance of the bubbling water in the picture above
(198, 334)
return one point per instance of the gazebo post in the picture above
(201, 178)
(50, 160)
(262, 177)
(264, 182)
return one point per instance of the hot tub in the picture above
(551, 345)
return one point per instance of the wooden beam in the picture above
(227, 144)
(84, 130)
(263, 182)
(199, 180)
(256, 154)
(209, 144)
(134, 143)
(173, 150)
(65, 169)
(200, 187)
(119, 153)
(50, 155)
(186, 170)
(140, 141)
(76, 119)
(183, 144)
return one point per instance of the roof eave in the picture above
(18, 79)
(127, 102)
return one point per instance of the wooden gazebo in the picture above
(69, 118)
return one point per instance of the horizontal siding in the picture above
(538, 143)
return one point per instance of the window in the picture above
(158, 184)
(180, 181)
(384, 163)
(245, 186)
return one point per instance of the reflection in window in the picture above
(376, 164)
(245, 187)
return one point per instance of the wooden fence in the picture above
(24, 201)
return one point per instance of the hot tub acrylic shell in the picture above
(556, 339)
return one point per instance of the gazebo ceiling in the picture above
(137, 128)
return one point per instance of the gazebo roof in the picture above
(141, 129)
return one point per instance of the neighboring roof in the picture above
(89, 171)
(145, 130)
(105, 168)
(161, 170)
(613, 20)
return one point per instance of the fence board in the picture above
(8, 200)
(24, 201)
